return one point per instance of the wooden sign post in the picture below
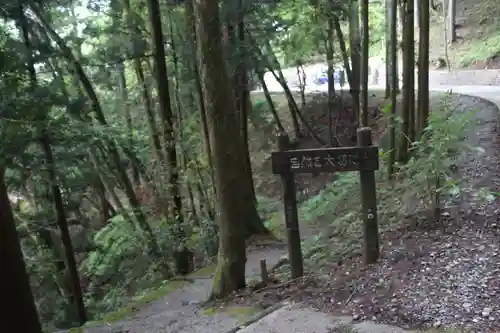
(363, 158)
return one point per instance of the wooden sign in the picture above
(363, 158)
(326, 160)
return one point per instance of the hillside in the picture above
(478, 36)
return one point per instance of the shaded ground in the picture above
(431, 274)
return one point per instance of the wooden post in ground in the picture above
(369, 202)
(291, 214)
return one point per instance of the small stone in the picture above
(486, 312)
(475, 320)
(466, 305)
(437, 324)
(356, 317)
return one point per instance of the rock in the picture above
(467, 306)
(440, 63)
(486, 312)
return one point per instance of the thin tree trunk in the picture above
(301, 77)
(388, 39)
(393, 4)
(411, 69)
(292, 105)
(191, 33)
(423, 67)
(407, 67)
(270, 102)
(331, 79)
(355, 46)
(255, 225)
(364, 63)
(452, 17)
(183, 256)
(343, 51)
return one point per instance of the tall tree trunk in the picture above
(331, 79)
(364, 63)
(228, 155)
(274, 66)
(411, 69)
(191, 33)
(388, 38)
(57, 201)
(343, 50)
(423, 67)
(16, 290)
(183, 256)
(451, 22)
(407, 68)
(270, 102)
(393, 73)
(355, 46)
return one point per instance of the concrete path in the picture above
(294, 318)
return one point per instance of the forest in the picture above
(136, 138)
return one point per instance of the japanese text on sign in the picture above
(326, 160)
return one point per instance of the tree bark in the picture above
(227, 150)
(364, 63)
(355, 46)
(16, 290)
(393, 73)
(451, 22)
(331, 69)
(423, 67)
(408, 69)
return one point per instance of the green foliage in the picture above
(480, 50)
(434, 155)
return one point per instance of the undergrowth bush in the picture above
(428, 174)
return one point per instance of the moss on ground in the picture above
(276, 225)
(138, 302)
(204, 272)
